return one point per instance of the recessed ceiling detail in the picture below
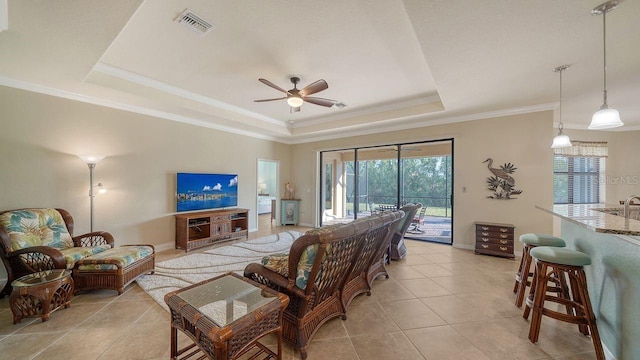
(397, 64)
(194, 22)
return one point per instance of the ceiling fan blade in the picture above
(319, 101)
(314, 88)
(265, 100)
(269, 83)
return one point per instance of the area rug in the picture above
(186, 270)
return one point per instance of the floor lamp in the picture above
(91, 161)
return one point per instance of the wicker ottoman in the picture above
(115, 268)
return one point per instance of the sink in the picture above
(633, 212)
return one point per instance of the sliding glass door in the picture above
(361, 181)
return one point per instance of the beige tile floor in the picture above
(439, 303)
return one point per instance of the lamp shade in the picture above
(561, 141)
(294, 101)
(605, 118)
(91, 159)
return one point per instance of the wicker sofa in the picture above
(33, 240)
(321, 287)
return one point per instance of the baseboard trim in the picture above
(165, 246)
(464, 246)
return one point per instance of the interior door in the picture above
(267, 191)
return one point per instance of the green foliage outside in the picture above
(425, 180)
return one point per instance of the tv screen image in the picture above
(206, 191)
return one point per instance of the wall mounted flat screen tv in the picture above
(206, 191)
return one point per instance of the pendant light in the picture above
(605, 118)
(561, 140)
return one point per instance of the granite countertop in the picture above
(599, 217)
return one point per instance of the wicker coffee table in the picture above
(225, 317)
(40, 293)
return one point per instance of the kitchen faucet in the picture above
(626, 205)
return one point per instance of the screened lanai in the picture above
(361, 181)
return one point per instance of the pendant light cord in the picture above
(560, 125)
(560, 69)
(604, 46)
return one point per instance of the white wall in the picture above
(41, 135)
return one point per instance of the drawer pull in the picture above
(485, 246)
(485, 239)
(504, 236)
(485, 228)
(504, 229)
(503, 242)
(485, 234)
(503, 248)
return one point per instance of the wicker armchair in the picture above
(45, 248)
(313, 275)
(398, 249)
(33, 240)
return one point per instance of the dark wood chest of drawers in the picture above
(494, 239)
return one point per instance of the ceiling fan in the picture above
(296, 97)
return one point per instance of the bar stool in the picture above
(562, 263)
(530, 241)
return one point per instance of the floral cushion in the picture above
(124, 256)
(36, 227)
(278, 263)
(74, 254)
(325, 229)
(305, 264)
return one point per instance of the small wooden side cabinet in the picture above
(290, 209)
(494, 239)
(195, 230)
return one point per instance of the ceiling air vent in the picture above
(194, 22)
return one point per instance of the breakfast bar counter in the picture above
(600, 218)
(613, 243)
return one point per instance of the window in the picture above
(576, 180)
(577, 172)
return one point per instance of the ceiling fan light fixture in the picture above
(294, 101)
(605, 118)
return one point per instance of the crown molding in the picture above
(174, 90)
(41, 89)
(346, 115)
(410, 122)
(418, 121)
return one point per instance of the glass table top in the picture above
(226, 299)
(41, 277)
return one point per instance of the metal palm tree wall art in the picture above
(502, 184)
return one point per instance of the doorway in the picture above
(361, 181)
(268, 177)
